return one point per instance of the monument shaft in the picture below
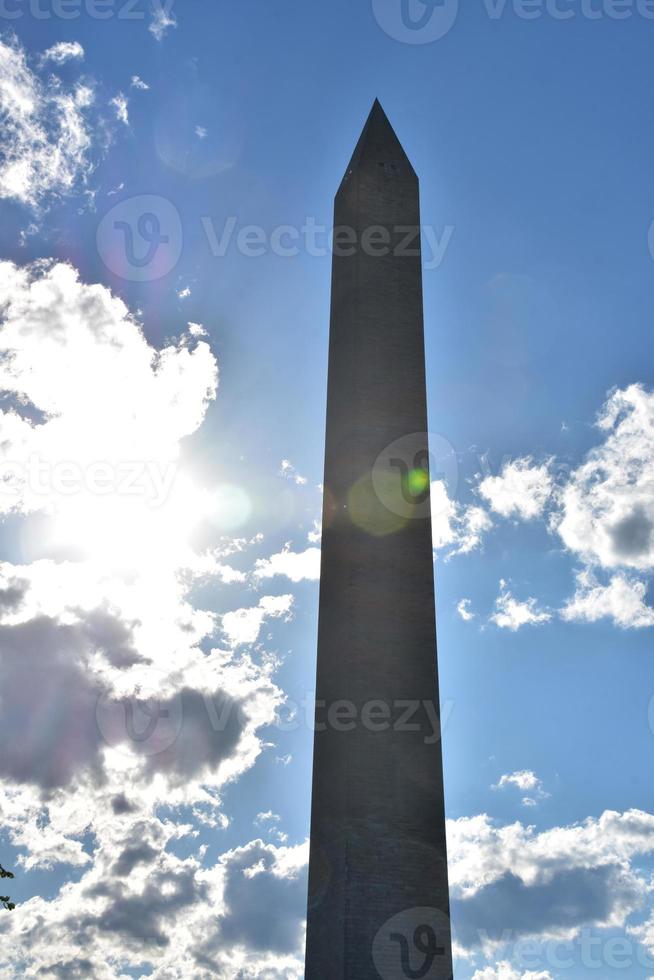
(378, 889)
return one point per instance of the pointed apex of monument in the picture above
(378, 143)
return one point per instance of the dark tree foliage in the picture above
(4, 899)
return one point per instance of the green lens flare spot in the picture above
(418, 481)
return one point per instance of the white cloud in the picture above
(512, 614)
(523, 780)
(504, 971)
(240, 918)
(119, 105)
(200, 132)
(287, 469)
(622, 601)
(315, 536)
(46, 145)
(606, 511)
(644, 934)
(547, 884)
(266, 817)
(67, 348)
(244, 625)
(163, 19)
(464, 611)
(521, 490)
(184, 293)
(64, 51)
(138, 83)
(138, 718)
(454, 526)
(527, 782)
(296, 566)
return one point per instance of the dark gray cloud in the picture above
(57, 717)
(121, 805)
(210, 728)
(109, 635)
(76, 969)
(571, 898)
(633, 536)
(142, 918)
(129, 857)
(265, 911)
(48, 700)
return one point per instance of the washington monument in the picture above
(378, 889)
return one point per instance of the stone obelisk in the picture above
(378, 888)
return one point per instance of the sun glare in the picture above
(131, 531)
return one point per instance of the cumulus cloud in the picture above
(315, 535)
(64, 51)
(137, 712)
(274, 878)
(513, 615)
(139, 906)
(644, 934)
(296, 566)
(606, 513)
(67, 348)
(47, 128)
(464, 610)
(622, 601)
(456, 529)
(546, 884)
(527, 782)
(505, 971)
(522, 489)
(244, 625)
(138, 83)
(286, 469)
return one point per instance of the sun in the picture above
(131, 531)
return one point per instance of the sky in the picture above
(167, 174)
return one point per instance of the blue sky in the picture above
(226, 128)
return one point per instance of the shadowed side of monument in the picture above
(378, 888)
